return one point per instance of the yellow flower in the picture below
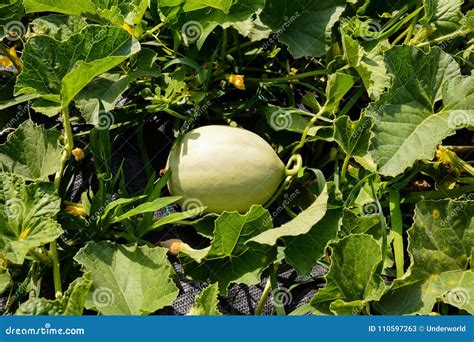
(128, 28)
(6, 63)
(237, 81)
(293, 71)
(24, 234)
(76, 210)
(173, 246)
(78, 154)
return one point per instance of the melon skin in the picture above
(224, 168)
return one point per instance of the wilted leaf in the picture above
(441, 242)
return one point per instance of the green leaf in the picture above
(197, 25)
(444, 15)
(31, 151)
(304, 251)
(58, 71)
(5, 280)
(147, 207)
(71, 303)
(407, 125)
(305, 25)
(338, 85)
(128, 280)
(11, 11)
(193, 5)
(175, 217)
(57, 26)
(300, 225)
(103, 93)
(206, 302)
(353, 136)
(26, 216)
(440, 243)
(229, 259)
(368, 64)
(351, 281)
(116, 11)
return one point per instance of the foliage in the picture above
(369, 104)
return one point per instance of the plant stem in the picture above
(344, 167)
(397, 231)
(53, 250)
(411, 28)
(416, 197)
(279, 307)
(306, 131)
(446, 37)
(263, 298)
(290, 77)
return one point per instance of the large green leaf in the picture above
(441, 242)
(70, 304)
(304, 25)
(444, 15)
(229, 259)
(351, 281)
(300, 225)
(115, 11)
(408, 125)
(26, 216)
(128, 280)
(31, 151)
(58, 70)
(206, 302)
(103, 93)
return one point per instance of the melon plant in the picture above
(216, 144)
